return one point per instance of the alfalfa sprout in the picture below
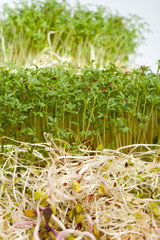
(53, 193)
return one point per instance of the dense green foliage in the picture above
(109, 107)
(79, 33)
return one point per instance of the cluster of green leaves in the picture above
(79, 32)
(109, 107)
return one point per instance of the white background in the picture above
(149, 53)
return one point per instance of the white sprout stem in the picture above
(89, 235)
(14, 175)
(23, 224)
(25, 143)
(138, 145)
(119, 188)
(78, 238)
(74, 157)
(58, 192)
(9, 157)
(89, 220)
(58, 222)
(50, 45)
(27, 179)
(154, 224)
(3, 47)
(38, 222)
(38, 154)
(117, 235)
(76, 232)
(83, 169)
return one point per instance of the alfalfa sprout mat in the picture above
(48, 192)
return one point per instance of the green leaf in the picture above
(100, 147)
(79, 208)
(76, 186)
(155, 209)
(71, 214)
(125, 129)
(79, 219)
(71, 238)
(102, 190)
(29, 213)
(40, 195)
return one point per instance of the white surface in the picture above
(149, 53)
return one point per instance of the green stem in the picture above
(91, 115)
(84, 115)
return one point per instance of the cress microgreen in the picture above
(57, 29)
(107, 107)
